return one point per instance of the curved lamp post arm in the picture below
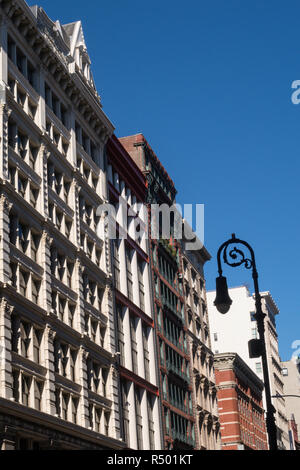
(235, 257)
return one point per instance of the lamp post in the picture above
(232, 256)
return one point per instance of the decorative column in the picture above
(49, 396)
(75, 232)
(5, 112)
(132, 416)
(42, 102)
(46, 291)
(79, 320)
(127, 338)
(6, 380)
(144, 410)
(5, 207)
(44, 155)
(82, 372)
(114, 389)
(123, 268)
(135, 279)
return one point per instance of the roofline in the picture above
(267, 295)
(146, 143)
(241, 365)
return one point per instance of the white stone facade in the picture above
(57, 371)
(231, 333)
(291, 380)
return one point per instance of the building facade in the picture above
(240, 319)
(169, 313)
(202, 359)
(240, 404)
(58, 377)
(135, 334)
(291, 380)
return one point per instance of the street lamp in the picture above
(235, 257)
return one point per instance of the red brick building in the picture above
(240, 404)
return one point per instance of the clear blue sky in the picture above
(209, 85)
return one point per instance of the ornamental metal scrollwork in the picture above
(236, 254)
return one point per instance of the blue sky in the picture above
(209, 85)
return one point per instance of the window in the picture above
(254, 333)
(145, 332)
(38, 387)
(74, 409)
(134, 345)
(284, 371)
(129, 274)
(215, 336)
(37, 334)
(141, 284)
(252, 316)
(106, 423)
(25, 390)
(25, 338)
(258, 367)
(65, 400)
(98, 412)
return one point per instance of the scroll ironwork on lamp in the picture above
(234, 257)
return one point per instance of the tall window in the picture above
(116, 263)
(38, 387)
(141, 284)
(150, 404)
(125, 410)
(134, 344)
(139, 419)
(145, 331)
(106, 422)
(74, 409)
(37, 334)
(25, 338)
(129, 273)
(64, 405)
(25, 390)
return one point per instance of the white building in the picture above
(58, 382)
(291, 380)
(232, 331)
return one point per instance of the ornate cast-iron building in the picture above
(171, 330)
(135, 335)
(194, 256)
(58, 382)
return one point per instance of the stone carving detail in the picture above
(85, 354)
(5, 204)
(46, 238)
(6, 307)
(50, 333)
